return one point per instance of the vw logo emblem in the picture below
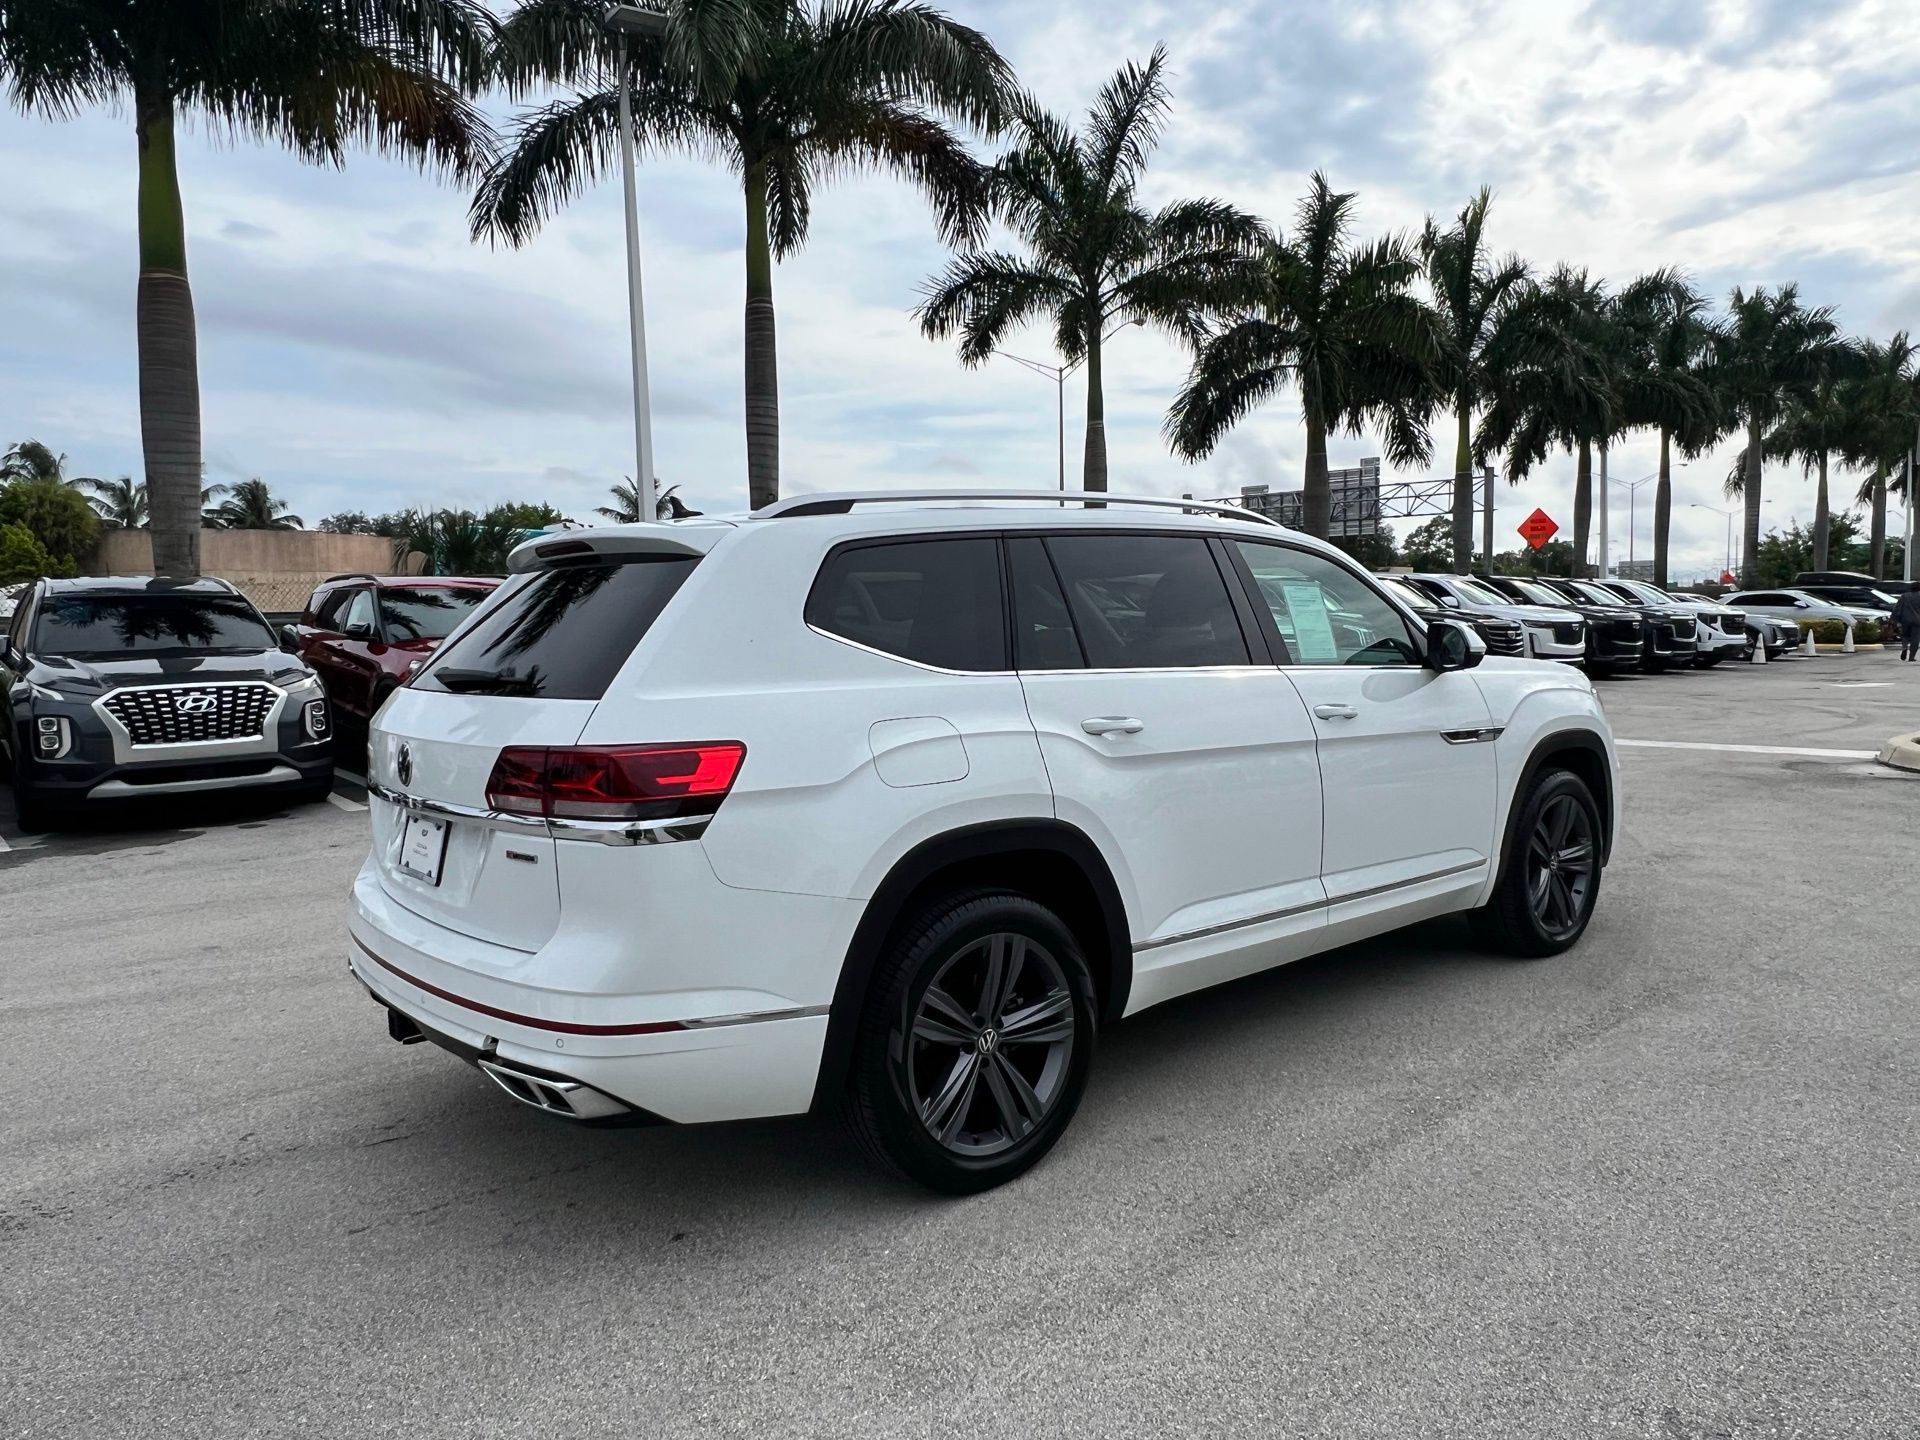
(194, 704)
(988, 1039)
(403, 765)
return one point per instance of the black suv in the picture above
(1670, 634)
(1616, 636)
(117, 689)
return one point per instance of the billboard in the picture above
(1355, 501)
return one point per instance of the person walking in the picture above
(1906, 615)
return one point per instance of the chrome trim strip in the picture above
(602, 832)
(1288, 913)
(754, 1017)
(1473, 737)
(1374, 890)
(120, 789)
(829, 502)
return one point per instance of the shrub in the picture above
(1867, 632)
(55, 514)
(22, 557)
(1831, 632)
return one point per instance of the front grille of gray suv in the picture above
(189, 714)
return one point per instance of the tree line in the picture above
(1369, 333)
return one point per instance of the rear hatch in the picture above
(525, 673)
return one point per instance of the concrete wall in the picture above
(276, 568)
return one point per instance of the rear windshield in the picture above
(564, 634)
(427, 612)
(102, 626)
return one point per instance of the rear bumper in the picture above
(685, 1056)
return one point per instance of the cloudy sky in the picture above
(359, 352)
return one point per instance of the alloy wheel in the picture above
(1561, 864)
(990, 1044)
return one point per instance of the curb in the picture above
(1902, 752)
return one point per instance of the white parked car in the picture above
(1552, 633)
(1797, 606)
(890, 809)
(1721, 633)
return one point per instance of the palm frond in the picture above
(981, 296)
(1124, 125)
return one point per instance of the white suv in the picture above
(890, 808)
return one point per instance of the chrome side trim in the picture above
(754, 1017)
(603, 832)
(1374, 890)
(1473, 737)
(1222, 928)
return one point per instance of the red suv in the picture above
(362, 633)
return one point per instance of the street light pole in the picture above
(626, 20)
(1632, 487)
(1713, 510)
(1058, 374)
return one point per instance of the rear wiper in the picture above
(490, 682)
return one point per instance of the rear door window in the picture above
(936, 602)
(562, 635)
(1148, 602)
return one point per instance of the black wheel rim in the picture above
(1561, 864)
(989, 1045)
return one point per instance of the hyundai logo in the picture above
(194, 704)
(403, 765)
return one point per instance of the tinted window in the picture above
(359, 612)
(1043, 632)
(1148, 602)
(427, 612)
(330, 608)
(1326, 614)
(562, 635)
(104, 625)
(934, 601)
(1536, 594)
(1435, 593)
(1474, 593)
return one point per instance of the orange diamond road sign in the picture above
(1538, 528)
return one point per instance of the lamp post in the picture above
(1712, 510)
(625, 21)
(1632, 487)
(1058, 374)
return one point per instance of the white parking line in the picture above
(341, 801)
(1748, 749)
(345, 774)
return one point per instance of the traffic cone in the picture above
(1847, 647)
(1807, 647)
(1759, 655)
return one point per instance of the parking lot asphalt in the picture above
(1664, 1186)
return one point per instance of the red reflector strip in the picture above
(532, 1022)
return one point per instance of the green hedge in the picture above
(1834, 632)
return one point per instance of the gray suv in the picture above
(122, 688)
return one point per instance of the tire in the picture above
(309, 792)
(33, 814)
(1706, 660)
(960, 1092)
(1534, 914)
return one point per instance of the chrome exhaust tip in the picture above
(567, 1098)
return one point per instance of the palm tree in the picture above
(785, 92)
(1553, 374)
(122, 503)
(1660, 328)
(1341, 321)
(625, 509)
(30, 460)
(313, 75)
(251, 505)
(1092, 255)
(1879, 408)
(1812, 429)
(1770, 348)
(1472, 293)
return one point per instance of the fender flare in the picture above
(958, 848)
(1545, 749)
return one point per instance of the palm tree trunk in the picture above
(1750, 556)
(169, 352)
(1878, 535)
(1462, 489)
(1582, 507)
(763, 375)
(1662, 510)
(1094, 467)
(1822, 518)
(1316, 496)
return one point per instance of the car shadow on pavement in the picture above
(129, 823)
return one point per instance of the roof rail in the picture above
(841, 502)
(350, 575)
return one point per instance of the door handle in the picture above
(1113, 725)
(1336, 712)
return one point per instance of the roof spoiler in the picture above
(544, 552)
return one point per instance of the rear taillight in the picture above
(615, 782)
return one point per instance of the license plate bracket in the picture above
(423, 848)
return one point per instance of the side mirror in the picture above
(1453, 646)
(289, 640)
(358, 632)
